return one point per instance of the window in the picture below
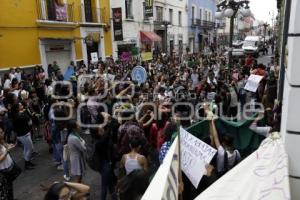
(146, 18)
(193, 15)
(179, 18)
(56, 11)
(159, 13)
(171, 16)
(128, 7)
(88, 11)
(200, 14)
(205, 15)
(209, 15)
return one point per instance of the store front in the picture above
(148, 42)
(92, 42)
(125, 48)
(62, 51)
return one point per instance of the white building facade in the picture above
(290, 127)
(134, 21)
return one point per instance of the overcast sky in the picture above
(261, 9)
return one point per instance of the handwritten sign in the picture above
(262, 175)
(253, 83)
(195, 155)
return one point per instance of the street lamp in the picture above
(166, 25)
(229, 8)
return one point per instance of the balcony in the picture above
(220, 25)
(52, 15)
(90, 16)
(202, 24)
(193, 23)
(158, 24)
(205, 24)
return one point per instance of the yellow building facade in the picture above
(43, 31)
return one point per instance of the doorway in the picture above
(93, 47)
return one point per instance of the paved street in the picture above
(265, 59)
(27, 185)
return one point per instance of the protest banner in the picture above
(164, 185)
(262, 175)
(195, 155)
(109, 77)
(139, 74)
(253, 83)
(117, 24)
(94, 57)
(147, 56)
(126, 56)
(148, 8)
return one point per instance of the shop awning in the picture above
(147, 36)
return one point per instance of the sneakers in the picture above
(56, 163)
(60, 167)
(67, 178)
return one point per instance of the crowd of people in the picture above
(102, 119)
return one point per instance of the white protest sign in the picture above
(164, 185)
(195, 155)
(262, 175)
(211, 96)
(253, 83)
(109, 77)
(94, 57)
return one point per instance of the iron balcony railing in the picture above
(205, 24)
(92, 15)
(50, 11)
(220, 25)
(194, 22)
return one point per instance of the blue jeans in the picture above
(27, 145)
(56, 155)
(59, 148)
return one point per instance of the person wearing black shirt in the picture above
(22, 127)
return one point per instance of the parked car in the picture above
(237, 50)
(253, 45)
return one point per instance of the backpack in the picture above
(91, 154)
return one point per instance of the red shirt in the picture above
(157, 137)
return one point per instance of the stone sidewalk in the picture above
(27, 185)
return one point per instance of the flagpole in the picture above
(179, 161)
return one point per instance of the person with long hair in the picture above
(134, 160)
(77, 150)
(67, 191)
(6, 184)
(22, 125)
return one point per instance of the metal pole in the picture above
(179, 160)
(166, 39)
(283, 46)
(265, 32)
(231, 41)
